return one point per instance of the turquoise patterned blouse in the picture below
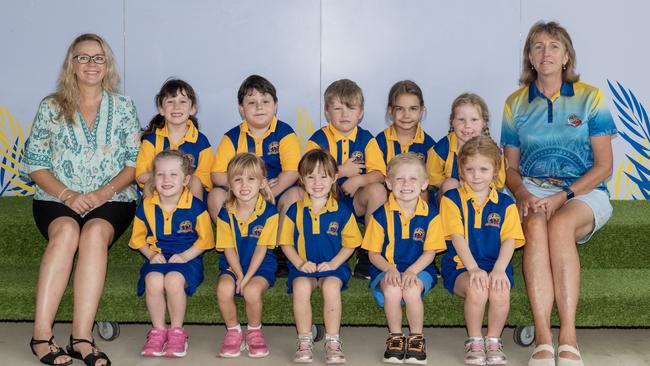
(82, 159)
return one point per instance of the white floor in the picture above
(362, 346)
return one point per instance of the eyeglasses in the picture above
(84, 59)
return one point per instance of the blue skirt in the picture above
(342, 273)
(192, 271)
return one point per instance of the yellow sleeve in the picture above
(374, 158)
(373, 241)
(501, 176)
(225, 152)
(289, 152)
(287, 231)
(144, 161)
(225, 237)
(435, 239)
(351, 235)
(311, 145)
(451, 218)
(139, 234)
(203, 167)
(511, 227)
(435, 167)
(204, 229)
(269, 236)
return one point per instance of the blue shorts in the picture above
(597, 200)
(427, 281)
(450, 275)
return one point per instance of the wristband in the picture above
(569, 193)
(61, 193)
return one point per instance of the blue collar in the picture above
(565, 90)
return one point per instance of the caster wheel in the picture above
(317, 332)
(524, 335)
(108, 331)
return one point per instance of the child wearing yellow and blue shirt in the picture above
(402, 239)
(318, 235)
(247, 229)
(482, 229)
(469, 118)
(171, 229)
(262, 134)
(405, 109)
(361, 168)
(176, 127)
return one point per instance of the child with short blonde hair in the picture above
(402, 239)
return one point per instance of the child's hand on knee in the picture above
(499, 281)
(393, 278)
(308, 267)
(325, 266)
(478, 278)
(157, 258)
(177, 258)
(409, 279)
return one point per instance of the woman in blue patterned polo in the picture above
(556, 135)
(81, 154)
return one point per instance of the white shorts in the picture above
(597, 200)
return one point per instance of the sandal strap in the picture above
(75, 341)
(92, 358)
(544, 347)
(568, 348)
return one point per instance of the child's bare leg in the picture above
(392, 306)
(216, 198)
(331, 287)
(176, 298)
(226, 300)
(368, 199)
(498, 311)
(155, 298)
(475, 301)
(414, 307)
(196, 187)
(302, 289)
(253, 296)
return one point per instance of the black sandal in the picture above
(92, 357)
(50, 357)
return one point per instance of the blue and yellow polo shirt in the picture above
(172, 232)
(194, 143)
(484, 227)
(553, 135)
(401, 240)
(442, 162)
(359, 145)
(244, 236)
(390, 146)
(319, 236)
(279, 148)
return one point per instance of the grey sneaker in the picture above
(304, 353)
(475, 351)
(333, 351)
(494, 351)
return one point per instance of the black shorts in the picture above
(118, 214)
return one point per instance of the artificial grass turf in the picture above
(615, 280)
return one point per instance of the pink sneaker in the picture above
(233, 344)
(256, 344)
(176, 343)
(155, 344)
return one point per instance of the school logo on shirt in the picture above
(333, 228)
(256, 232)
(357, 156)
(185, 227)
(493, 219)
(418, 234)
(574, 121)
(274, 148)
